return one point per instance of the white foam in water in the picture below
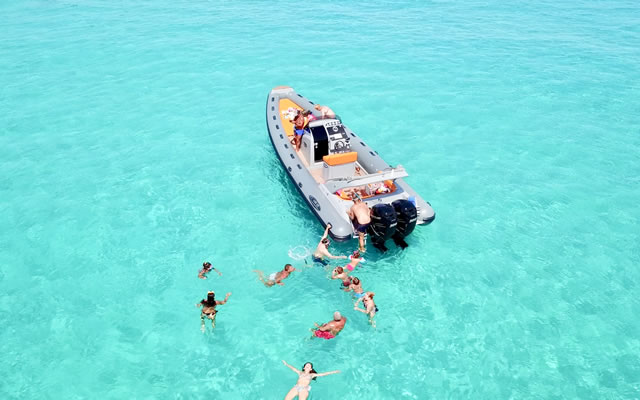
(299, 252)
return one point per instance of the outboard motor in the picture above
(383, 225)
(407, 216)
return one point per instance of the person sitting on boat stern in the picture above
(276, 277)
(370, 307)
(300, 123)
(209, 308)
(322, 250)
(206, 268)
(331, 328)
(302, 387)
(360, 215)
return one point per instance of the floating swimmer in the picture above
(331, 328)
(302, 387)
(356, 288)
(276, 277)
(209, 308)
(354, 260)
(340, 273)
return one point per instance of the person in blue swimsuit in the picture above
(300, 123)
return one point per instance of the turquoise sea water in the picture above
(133, 147)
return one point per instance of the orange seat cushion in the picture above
(341, 158)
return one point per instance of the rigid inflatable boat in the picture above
(334, 164)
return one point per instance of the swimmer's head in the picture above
(289, 267)
(339, 270)
(317, 107)
(370, 295)
(356, 254)
(355, 280)
(211, 297)
(206, 265)
(308, 368)
(326, 242)
(337, 316)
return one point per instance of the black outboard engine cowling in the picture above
(407, 216)
(383, 224)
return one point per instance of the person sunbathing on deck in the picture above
(322, 250)
(326, 111)
(276, 277)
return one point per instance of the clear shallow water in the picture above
(134, 148)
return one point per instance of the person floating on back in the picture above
(322, 250)
(276, 277)
(370, 307)
(360, 215)
(206, 268)
(331, 328)
(209, 308)
(302, 387)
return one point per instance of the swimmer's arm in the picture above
(219, 273)
(326, 373)
(326, 232)
(350, 212)
(326, 253)
(199, 304)
(201, 274)
(225, 299)
(290, 367)
(361, 310)
(323, 328)
(359, 300)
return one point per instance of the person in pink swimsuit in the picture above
(354, 260)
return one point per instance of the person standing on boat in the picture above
(360, 215)
(276, 277)
(322, 250)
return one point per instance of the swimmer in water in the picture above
(354, 260)
(370, 307)
(356, 288)
(302, 387)
(322, 249)
(276, 277)
(206, 268)
(340, 273)
(209, 308)
(331, 328)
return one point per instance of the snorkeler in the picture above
(322, 249)
(206, 268)
(302, 387)
(276, 277)
(370, 307)
(209, 308)
(331, 328)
